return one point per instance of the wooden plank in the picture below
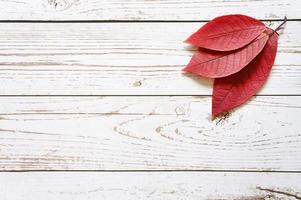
(142, 185)
(145, 10)
(119, 59)
(148, 133)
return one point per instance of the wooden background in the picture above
(94, 105)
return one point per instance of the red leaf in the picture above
(232, 91)
(226, 33)
(216, 64)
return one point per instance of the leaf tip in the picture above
(214, 112)
(214, 115)
(189, 40)
(186, 41)
(186, 69)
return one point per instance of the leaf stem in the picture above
(281, 25)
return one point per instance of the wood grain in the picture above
(120, 59)
(156, 186)
(145, 10)
(136, 133)
(148, 133)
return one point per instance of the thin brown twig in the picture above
(281, 25)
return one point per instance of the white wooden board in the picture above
(148, 133)
(120, 59)
(155, 186)
(145, 10)
(139, 147)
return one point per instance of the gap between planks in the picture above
(129, 21)
(153, 171)
(144, 95)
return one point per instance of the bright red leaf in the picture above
(227, 33)
(216, 64)
(232, 91)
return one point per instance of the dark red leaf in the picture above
(216, 64)
(227, 33)
(232, 91)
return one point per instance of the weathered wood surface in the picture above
(148, 133)
(145, 10)
(139, 132)
(120, 59)
(155, 186)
